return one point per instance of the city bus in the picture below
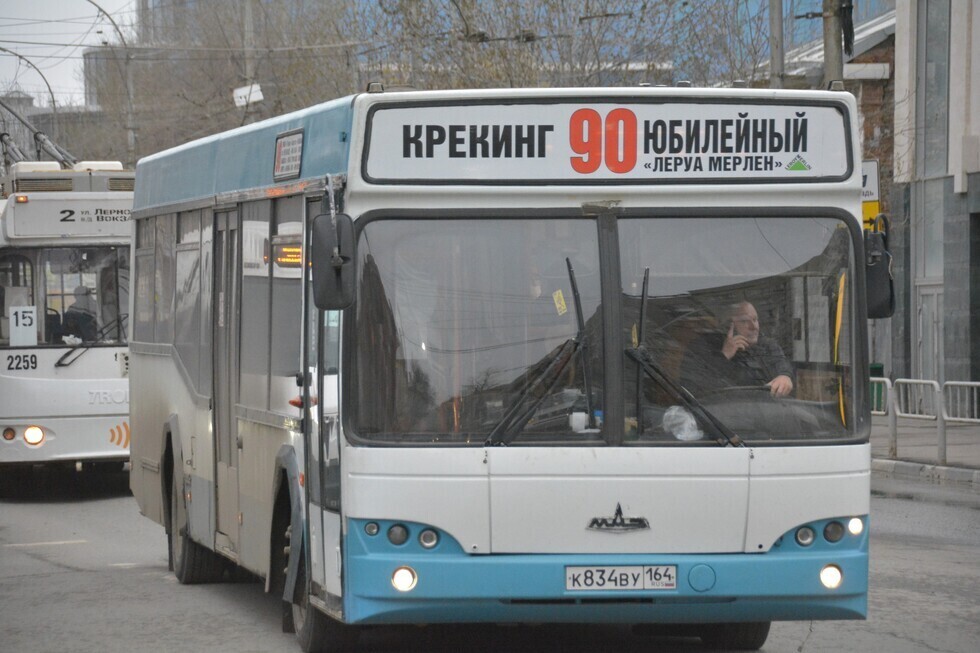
(64, 291)
(447, 356)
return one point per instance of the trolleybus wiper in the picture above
(681, 394)
(79, 349)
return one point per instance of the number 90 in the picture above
(592, 138)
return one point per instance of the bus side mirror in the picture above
(878, 271)
(333, 261)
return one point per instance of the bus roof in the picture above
(447, 137)
(184, 173)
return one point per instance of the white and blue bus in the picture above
(64, 292)
(459, 356)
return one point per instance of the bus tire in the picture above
(315, 631)
(748, 636)
(192, 563)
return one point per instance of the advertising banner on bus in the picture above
(590, 142)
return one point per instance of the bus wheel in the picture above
(316, 631)
(192, 563)
(737, 636)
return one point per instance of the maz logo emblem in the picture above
(618, 524)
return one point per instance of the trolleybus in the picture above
(64, 291)
(455, 356)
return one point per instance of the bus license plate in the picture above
(655, 577)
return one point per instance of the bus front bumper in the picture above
(453, 586)
(66, 439)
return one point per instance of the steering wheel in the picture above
(732, 389)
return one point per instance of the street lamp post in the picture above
(54, 104)
(128, 79)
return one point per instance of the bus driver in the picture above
(80, 318)
(744, 358)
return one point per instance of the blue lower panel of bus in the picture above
(453, 586)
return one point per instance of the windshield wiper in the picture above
(643, 358)
(515, 420)
(639, 343)
(79, 349)
(582, 344)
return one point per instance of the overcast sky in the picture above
(69, 26)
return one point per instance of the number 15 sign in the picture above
(23, 326)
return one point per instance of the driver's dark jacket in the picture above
(705, 367)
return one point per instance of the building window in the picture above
(933, 88)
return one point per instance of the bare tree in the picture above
(717, 42)
(514, 43)
(307, 52)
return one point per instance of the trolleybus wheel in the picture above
(737, 636)
(316, 632)
(192, 563)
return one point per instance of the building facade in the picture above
(935, 198)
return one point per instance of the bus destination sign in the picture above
(584, 143)
(45, 215)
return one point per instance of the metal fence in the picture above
(953, 401)
(961, 401)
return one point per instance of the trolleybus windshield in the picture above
(72, 295)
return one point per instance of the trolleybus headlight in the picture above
(428, 538)
(833, 531)
(855, 526)
(805, 536)
(398, 535)
(371, 528)
(33, 435)
(404, 579)
(831, 577)
(9, 434)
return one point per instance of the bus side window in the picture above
(4, 318)
(331, 342)
(286, 300)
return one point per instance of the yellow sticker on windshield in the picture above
(559, 302)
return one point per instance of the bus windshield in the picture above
(78, 295)
(468, 331)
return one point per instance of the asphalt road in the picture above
(81, 570)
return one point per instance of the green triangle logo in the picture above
(798, 165)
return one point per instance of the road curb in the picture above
(925, 472)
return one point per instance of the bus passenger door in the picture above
(225, 391)
(330, 448)
(322, 360)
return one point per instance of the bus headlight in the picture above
(428, 538)
(33, 435)
(831, 577)
(805, 536)
(404, 579)
(833, 531)
(397, 534)
(9, 434)
(855, 526)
